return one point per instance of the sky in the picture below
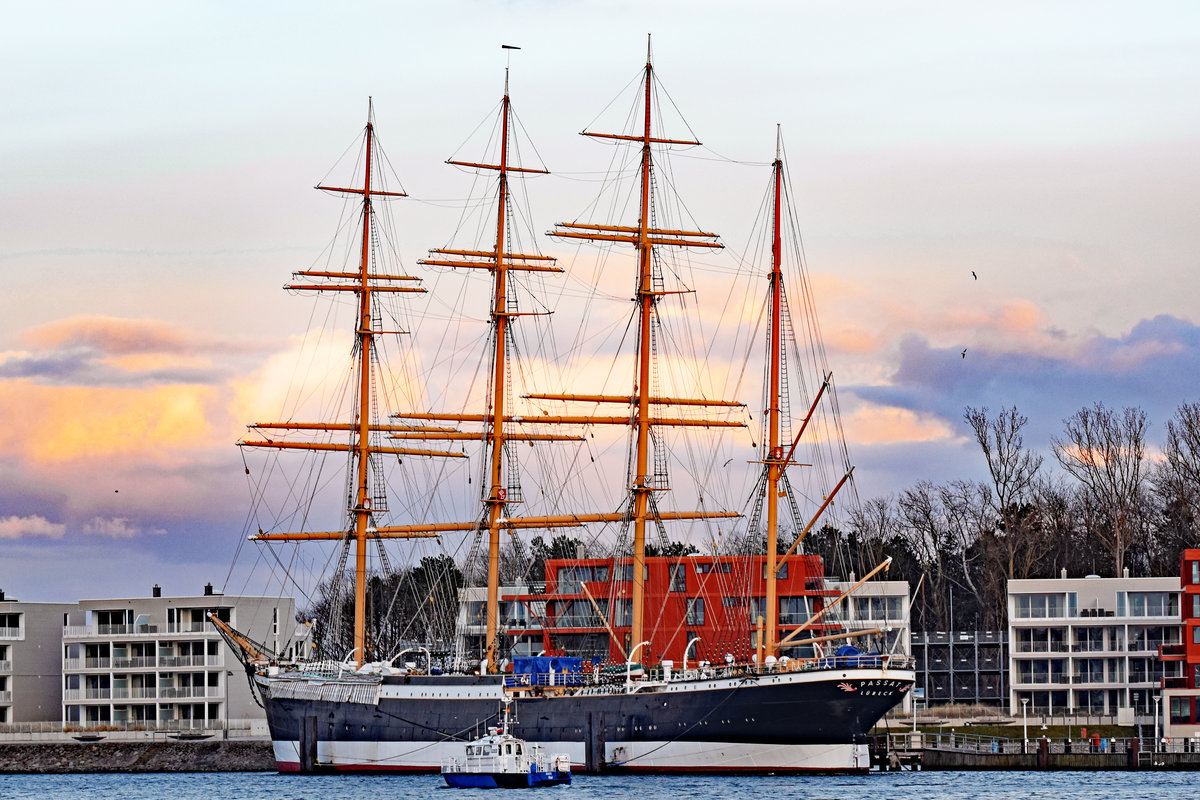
(1019, 180)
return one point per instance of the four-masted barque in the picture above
(785, 698)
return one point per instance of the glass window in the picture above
(1196, 635)
(695, 611)
(1153, 604)
(1196, 572)
(1196, 605)
(781, 575)
(678, 578)
(793, 610)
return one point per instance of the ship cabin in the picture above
(697, 608)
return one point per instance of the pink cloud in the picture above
(21, 527)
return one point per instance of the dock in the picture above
(958, 751)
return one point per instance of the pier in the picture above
(959, 751)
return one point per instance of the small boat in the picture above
(502, 761)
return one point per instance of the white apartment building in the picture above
(158, 661)
(1089, 645)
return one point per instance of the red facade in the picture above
(1184, 708)
(716, 600)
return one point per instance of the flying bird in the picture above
(964, 352)
(973, 275)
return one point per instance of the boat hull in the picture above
(504, 780)
(766, 723)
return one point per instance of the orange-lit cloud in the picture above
(883, 425)
(64, 423)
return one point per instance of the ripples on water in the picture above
(886, 786)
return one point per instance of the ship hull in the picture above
(767, 723)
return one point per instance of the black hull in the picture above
(751, 723)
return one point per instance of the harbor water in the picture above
(886, 786)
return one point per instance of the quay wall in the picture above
(137, 756)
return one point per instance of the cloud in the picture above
(115, 528)
(111, 351)
(64, 423)
(20, 527)
(1151, 366)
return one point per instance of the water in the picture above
(878, 786)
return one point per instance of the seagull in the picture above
(973, 275)
(964, 352)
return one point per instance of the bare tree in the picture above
(1177, 479)
(1105, 452)
(1013, 469)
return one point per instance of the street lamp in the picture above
(1156, 699)
(1025, 723)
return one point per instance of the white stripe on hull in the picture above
(633, 756)
(682, 756)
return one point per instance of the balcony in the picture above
(87, 663)
(108, 631)
(190, 627)
(1174, 683)
(75, 695)
(134, 693)
(186, 692)
(189, 661)
(1172, 652)
(133, 662)
(5, 666)
(5, 697)
(12, 633)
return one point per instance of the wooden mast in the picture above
(364, 283)
(774, 451)
(644, 238)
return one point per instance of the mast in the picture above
(775, 483)
(365, 283)
(773, 421)
(644, 238)
(499, 261)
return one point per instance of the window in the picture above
(1196, 635)
(703, 567)
(678, 581)
(695, 611)
(793, 610)
(1196, 605)
(780, 575)
(1196, 572)
(1040, 606)
(1153, 604)
(1181, 710)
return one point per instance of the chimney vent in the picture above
(1, 594)
(156, 591)
(208, 589)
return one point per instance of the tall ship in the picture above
(619, 646)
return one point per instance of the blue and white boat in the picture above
(502, 761)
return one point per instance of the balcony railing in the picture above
(87, 663)
(1172, 650)
(133, 662)
(5, 697)
(5, 666)
(135, 693)
(87, 694)
(190, 627)
(184, 692)
(12, 633)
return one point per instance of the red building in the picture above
(1181, 691)
(710, 603)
